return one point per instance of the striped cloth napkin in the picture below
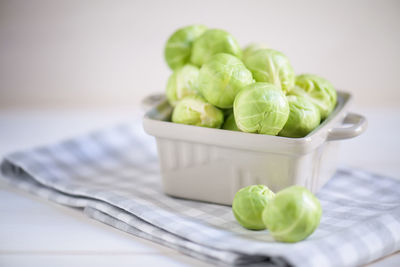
(113, 175)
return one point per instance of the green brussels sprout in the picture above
(319, 90)
(194, 110)
(261, 108)
(230, 123)
(212, 42)
(252, 48)
(303, 117)
(179, 45)
(221, 78)
(181, 83)
(268, 65)
(292, 215)
(227, 112)
(249, 204)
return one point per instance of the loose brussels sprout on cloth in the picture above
(252, 48)
(230, 123)
(319, 90)
(249, 204)
(221, 78)
(194, 110)
(268, 65)
(181, 83)
(212, 42)
(303, 117)
(292, 215)
(261, 108)
(179, 46)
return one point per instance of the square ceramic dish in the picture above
(213, 164)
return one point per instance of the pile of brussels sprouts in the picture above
(290, 216)
(216, 84)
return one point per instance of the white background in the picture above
(110, 53)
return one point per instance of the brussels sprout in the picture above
(252, 48)
(227, 112)
(271, 66)
(303, 117)
(320, 91)
(194, 110)
(179, 46)
(230, 123)
(212, 42)
(261, 108)
(292, 215)
(181, 83)
(221, 78)
(249, 204)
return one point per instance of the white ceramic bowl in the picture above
(213, 164)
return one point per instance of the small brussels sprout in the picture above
(194, 110)
(179, 45)
(261, 108)
(212, 42)
(249, 204)
(303, 117)
(319, 90)
(181, 83)
(230, 123)
(227, 112)
(221, 78)
(292, 215)
(268, 65)
(252, 48)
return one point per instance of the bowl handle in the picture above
(358, 126)
(151, 101)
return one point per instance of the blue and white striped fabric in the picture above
(114, 176)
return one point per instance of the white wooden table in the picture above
(36, 232)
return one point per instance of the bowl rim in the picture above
(155, 124)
